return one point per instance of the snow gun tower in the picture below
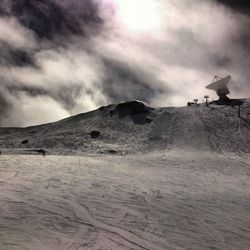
(219, 85)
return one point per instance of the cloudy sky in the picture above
(63, 57)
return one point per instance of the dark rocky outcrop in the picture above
(24, 142)
(138, 111)
(41, 151)
(95, 134)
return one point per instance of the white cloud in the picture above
(30, 111)
(14, 34)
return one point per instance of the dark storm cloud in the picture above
(241, 5)
(61, 57)
(66, 95)
(50, 18)
(35, 36)
(30, 28)
(126, 82)
(5, 104)
(221, 61)
(10, 56)
(242, 38)
(241, 43)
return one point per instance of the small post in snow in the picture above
(206, 97)
(239, 111)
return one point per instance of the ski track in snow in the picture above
(167, 200)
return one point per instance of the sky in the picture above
(63, 57)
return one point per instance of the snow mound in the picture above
(134, 127)
(138, 111)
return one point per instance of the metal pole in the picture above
(239, 110)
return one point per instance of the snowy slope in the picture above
(155, 202)
(134, 127)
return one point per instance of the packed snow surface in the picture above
(168, 200)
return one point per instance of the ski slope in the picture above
(171, 200)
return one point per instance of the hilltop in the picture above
(133, 127)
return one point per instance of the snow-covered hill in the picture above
(134, 127)
(178, 194)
